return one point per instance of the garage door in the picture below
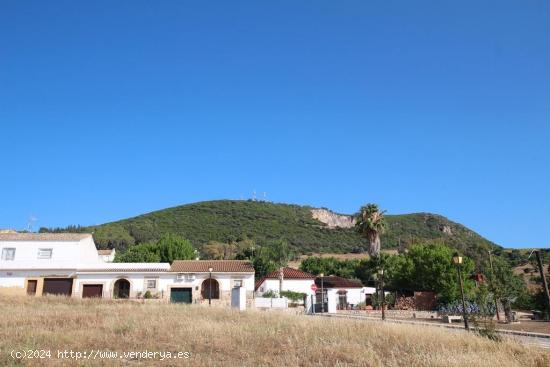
(180, 295)
(58, 286)
(92, 290)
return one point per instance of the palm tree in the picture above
(370, 223)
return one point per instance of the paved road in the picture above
(535, 339)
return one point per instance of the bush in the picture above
(472, 308)
(485, 327)
(293, 296)
(148, 295)
(270, 294)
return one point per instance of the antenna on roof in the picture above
(265, 196)
(254, 195)
(30, 222)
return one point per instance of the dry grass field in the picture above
(222, 337)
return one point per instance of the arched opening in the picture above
(210, 289)
(121, 289)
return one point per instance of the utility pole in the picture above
(544, 283)
(493, 280)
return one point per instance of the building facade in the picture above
(70, 265)
(293, 280)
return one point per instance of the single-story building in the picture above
(69, 264)
(292, 280)
(347, 293)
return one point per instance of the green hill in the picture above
(227, 220)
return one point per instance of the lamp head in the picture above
(457, 259)
(210, 269)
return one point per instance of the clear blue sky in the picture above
(112, 109)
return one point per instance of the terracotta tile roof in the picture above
(337, 282)
(53, 237)
(218, 266)
(105, 252)
(290, 273)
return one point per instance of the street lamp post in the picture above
(381, 276)
(210, 287)
(492, 283)
(322, 293)
(457, 260)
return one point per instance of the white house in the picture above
(346, 292)
(293, 280)
(69, 264)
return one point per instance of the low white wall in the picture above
(261, 302)
(294, 285)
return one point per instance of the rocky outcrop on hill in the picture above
(333, 220)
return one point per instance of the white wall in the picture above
(294, 285)
(260, 302)
(354, 296)
(165, 281)
(65, 254)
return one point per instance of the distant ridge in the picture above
(231, 220)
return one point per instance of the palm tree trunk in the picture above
(374, 250)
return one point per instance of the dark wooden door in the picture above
(92, 291)
(31, 287)
(58, 286)
(180, 295)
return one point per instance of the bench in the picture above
(448, 319)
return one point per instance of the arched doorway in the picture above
(121, 289)
(210, 289)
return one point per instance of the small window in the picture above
(8, 253)
(151, 283)
(45, 253)
(238, 283)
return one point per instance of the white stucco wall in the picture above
(354, 296)
(294, 285)
(165, 281)
(65, 254)
(80, 260)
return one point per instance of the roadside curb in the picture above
(409, 322)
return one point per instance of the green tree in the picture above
(173, 247)
(370, 223)
(330, 266)
(432, 270)
(397, 271)
(506, 286)
(169, 248)
(272, 257)
(142, 253)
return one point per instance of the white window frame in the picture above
(238, 283)
(6, 251)
(45, 253)
(147, 280)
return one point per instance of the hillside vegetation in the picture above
(223, 337)
(227, 221)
